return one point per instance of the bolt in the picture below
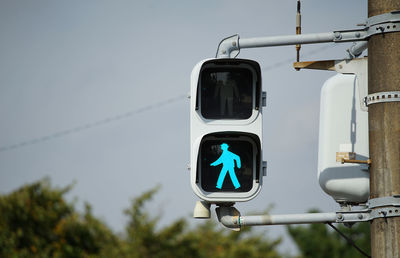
(234, 43)
(358, 34)
(360, 216)
(340, 217)
(338, 35)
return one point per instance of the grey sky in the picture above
(64, 64)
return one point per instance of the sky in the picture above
(95, 92)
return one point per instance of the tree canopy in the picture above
(37, 221)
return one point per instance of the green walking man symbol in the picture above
(227, 159)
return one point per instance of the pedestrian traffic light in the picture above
(226, 130)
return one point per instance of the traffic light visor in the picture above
(229, 89)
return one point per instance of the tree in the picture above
(317, 240)
(179, 240)
(36, 221)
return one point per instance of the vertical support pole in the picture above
(384, 130)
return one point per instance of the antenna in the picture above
(298, 31)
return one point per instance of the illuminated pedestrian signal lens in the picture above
(227, 93)
(228, 164)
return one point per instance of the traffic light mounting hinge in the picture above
(264, 168)
(264, 99)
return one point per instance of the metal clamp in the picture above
(384, 201)
(379, 97)
(379, 24)
(384, 207)
(383, 23)
(384, 212)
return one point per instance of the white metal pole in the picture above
(284, 219)
(286, 40)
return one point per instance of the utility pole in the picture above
(384, 129)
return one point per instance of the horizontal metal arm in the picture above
(231, 46)
(286, 40)
(285, 219)
(230, 217)
(382, 207)
(380, 24)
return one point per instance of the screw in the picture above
(360, 216)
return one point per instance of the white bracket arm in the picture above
(383, 207)
(384, 23)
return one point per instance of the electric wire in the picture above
(91, 125)
(349, 240)
(128, 114)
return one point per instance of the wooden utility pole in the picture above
(384, 130)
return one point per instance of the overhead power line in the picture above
(91, 125)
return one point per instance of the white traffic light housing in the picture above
(343, 130)
(226, 130)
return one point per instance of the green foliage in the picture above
(207, 241)
(178, 240)
(319, 240)
(36, 221)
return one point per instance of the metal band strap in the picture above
(379, 97)
(384, 207)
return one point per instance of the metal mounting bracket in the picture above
(358, 67)
(379, 24)
(264, 168)
(384, 201)
(383, 23)
(380, 97)
(264, 98)
(383, 207)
